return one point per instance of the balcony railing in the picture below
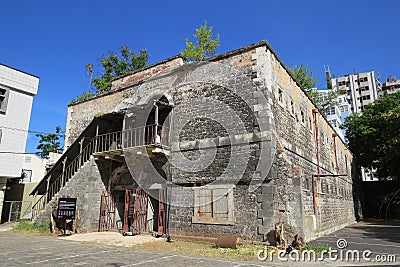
(143, 136)
(135, 137)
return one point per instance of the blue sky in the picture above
(55, 39)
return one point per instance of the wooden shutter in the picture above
(220, 202)
(205, 203)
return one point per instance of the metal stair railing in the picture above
(63, 178)
(149, 134)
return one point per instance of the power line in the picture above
(17, 153)
(62, 133)
(29, 131)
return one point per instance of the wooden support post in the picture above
(96, 140)
(109, 177)
(156, 114)
(47, 189)
(63, 181)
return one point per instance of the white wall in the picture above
(14, 122)
(18, 80)
(36, 165)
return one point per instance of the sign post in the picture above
(66, 210)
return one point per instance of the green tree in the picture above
(205, 47)
(49, 143)
(324, 102)
(115, 65)
(374, 136)
(305, 77)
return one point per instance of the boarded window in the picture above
(213, 204)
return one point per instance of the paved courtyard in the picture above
(382, 238)
(23, 250)
(26, 250)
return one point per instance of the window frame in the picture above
(28, 178)
(280, 95)
(214, 217)
(4, 102)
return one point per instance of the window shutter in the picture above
(220, 202)
(205, 202)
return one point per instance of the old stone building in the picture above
(230, 146)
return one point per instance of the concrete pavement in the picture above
(382, 239)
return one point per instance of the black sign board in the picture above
(66, 208)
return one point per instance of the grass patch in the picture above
(245, 252)
(318, 249)
(82, 97)
(27, 227)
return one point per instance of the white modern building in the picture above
(17, 90)
(34, 168)
(391, 86)
(336, 114)
(361, 88)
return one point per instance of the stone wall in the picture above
(80, 114)
(149, 72)
(245, 210)
(295, 128)
(253, 86)
(86, 185)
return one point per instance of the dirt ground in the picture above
(113, 238)
(150, 243)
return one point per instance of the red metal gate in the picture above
(162, 215)
(107, 212)
(128, 199)
(140, 212)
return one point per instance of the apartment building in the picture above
(361, 88)
(17, 89)
(392, 85)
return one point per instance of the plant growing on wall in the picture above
(205, 47)
(115, 65)
(304, 76)
(82, 97)
(49, 143)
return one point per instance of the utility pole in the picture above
(89, 68)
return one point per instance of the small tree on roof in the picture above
(205, 47)
(115, 66)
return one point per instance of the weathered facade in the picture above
(229, 146)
